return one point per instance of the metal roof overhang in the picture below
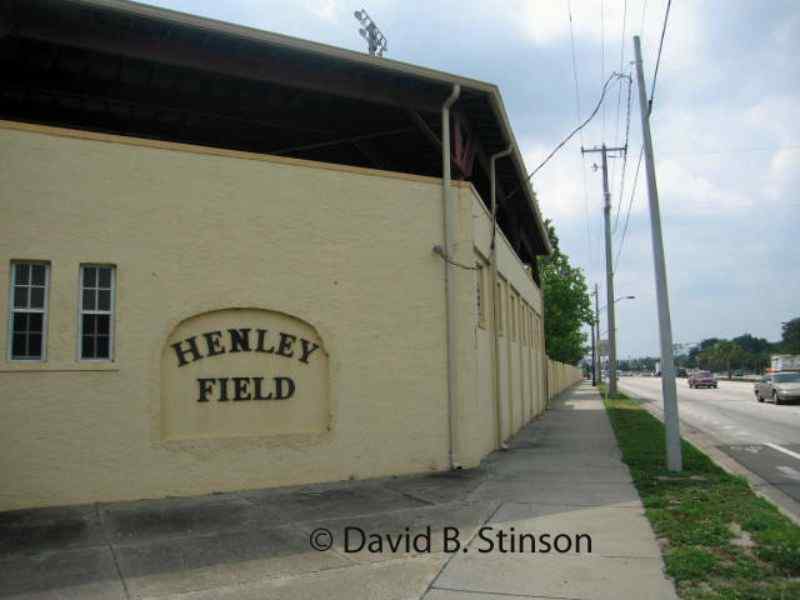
(372, 92)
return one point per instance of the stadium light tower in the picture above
(370, 32)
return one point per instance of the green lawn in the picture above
(720, 540)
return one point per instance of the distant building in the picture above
(228, 263)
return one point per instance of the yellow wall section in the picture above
(347, 252)
(243, 372)
(342, 255)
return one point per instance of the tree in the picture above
(756, 351)
(725, 355)
(700, 349)
(751, 344)
(567, 306)
(790, 343)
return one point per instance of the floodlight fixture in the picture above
(376, 41)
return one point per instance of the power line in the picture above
(650, 110)
(574, 61)
(622, 37)
(644, 10)
(611, 78)
(603, 55)
(658, 58)
(590, 257)
(619, 90)
(630, 205)
(625, 154)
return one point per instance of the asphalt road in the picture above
(763, 437)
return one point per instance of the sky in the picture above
(725, 126)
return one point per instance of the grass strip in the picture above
(719, 539)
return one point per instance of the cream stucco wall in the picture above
(561, 377)
(347, 251)
(519, 366)
(344, 252)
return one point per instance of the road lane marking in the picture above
(784, 450)
(789, 472)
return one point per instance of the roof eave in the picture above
(384, 64)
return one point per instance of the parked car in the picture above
(681, 372)
(778, 387)
(700, 379)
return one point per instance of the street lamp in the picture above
(617, 300)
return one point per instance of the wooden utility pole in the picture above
(594, 357)
(598, 366)
(612, 333)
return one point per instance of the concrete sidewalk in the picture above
(562, 475)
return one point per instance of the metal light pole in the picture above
(669, 393)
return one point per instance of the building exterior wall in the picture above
(345, 251)
(520, 358)
(207, 240)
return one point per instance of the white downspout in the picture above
(493, 259)
(449, 245)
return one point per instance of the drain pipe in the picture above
(449, 243)
(493, 258)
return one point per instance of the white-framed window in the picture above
(96, 312)
(27, 315)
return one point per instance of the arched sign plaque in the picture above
(243, 372)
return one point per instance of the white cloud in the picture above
(547, 22)
(559, 185)
(776, 116)
(689, 192)
(324, 9)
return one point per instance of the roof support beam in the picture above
(423, 126)
(348, 140)
(431, 136)
(368, 150)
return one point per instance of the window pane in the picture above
(88, 300)
(21, 297)
(88, 324)
(35, 322)
(102, 346)
(104, 277)
(37, 297)
(104, 300)
(87, 349)
(18, 345)
(103, 324)
(37, 272)
(23, 274)
(20, 322)
(35, 345)
(89, 277)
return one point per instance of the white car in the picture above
(779, 387)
